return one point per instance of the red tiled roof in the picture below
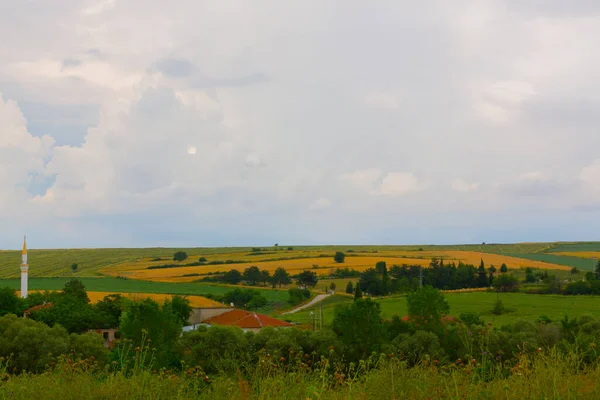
(38, 307)
(245, 319)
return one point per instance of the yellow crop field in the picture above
(195, 301)
(326, 265)
(580, 254)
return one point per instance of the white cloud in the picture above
(191, 150)
(382, 100)
(399, 184)
(320, 204)
(461, 186)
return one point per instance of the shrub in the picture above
(202, 259)
(180, 256)
(339, 257)
(298, 296)
(415, 348)
(471, 318)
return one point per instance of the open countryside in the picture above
(299, 306)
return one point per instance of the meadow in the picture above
(114, 285)
(524, 306)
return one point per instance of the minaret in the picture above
(24, 269)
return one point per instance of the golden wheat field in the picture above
(324, 265)
(195, 301)
(580, 254)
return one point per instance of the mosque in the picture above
(24, 270)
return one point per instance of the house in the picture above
(247, 320)
(107, 334)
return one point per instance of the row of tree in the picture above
(255, 276)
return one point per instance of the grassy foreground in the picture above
(541, 376)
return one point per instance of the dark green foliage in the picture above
(339, 257)
(252, 275)
(506, 283)
(265, 276)
(357, 292)
(180, 307)
(359, 327)
(232, 277)
(10, 303)
(349, 288)
(597, 270)
(147, 320)
(250, 299)
(74, 267)
(332, 286)
(499, 308)
(89, 344)
(427, 305)
(471, 318)
(414, 348)
(298, 296)
(307, 278)
(575, 270)
(75, 287)
(530, 278)
(110, 309)
(202, 259)
(503, 268)
(180, 256)
(281, 277)
(482, 278)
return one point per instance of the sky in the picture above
(135, 123)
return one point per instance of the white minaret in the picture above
(24, 269)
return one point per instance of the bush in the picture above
(499, 308)
(202, 259)
(180, 256)
(339, 257)
(415, 348)
(298, 296)
(471, 318)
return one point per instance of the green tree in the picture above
(307, 278)
(357, 292)
(31, 345)
(332, 286)
(180, 307)
(252, 275)
(359, 327)
(180, 256)
(380, 267)
(349, 288)
(76, 288)
(590, 276)
(503, 268)
(597, 270)
(245, 298)
(339, 257)
(482, 278)
(427, 305)
(71, 312)
(506, 283)
(232, 277)
(74, 267)
(89, 344)
(146, 320)
(202, 259)
(265, 276)
(10, 303)
(109, 310)
(281, 277)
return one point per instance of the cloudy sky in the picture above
(202, 123)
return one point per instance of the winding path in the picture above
(318, 298)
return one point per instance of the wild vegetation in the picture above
(362, 354)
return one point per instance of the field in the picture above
(526, 306)
(195, 301)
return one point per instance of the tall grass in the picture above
(541, 375)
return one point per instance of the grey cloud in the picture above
(71, 62)
(175, 67)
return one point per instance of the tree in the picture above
(265, 276)
(110, 309)
(74, 267)
(75, 287)
(506, 283)
(357, 292)
(349, 288)
(232, 277)
(252, 275)
(180, 307)
(145, 320)
(597, 270)
(359, 327)
(307, 278)
(10, 303)
(590, 276)
(574, 270)
(281, 277)
(503, 268)
(339, 257)
(482, 278)
(180, 256)
(202, 259)
(427, 305)
(380, 267)
(245, 298)
(332, 286)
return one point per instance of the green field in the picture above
(581, 263)
(134, 286)
(579, 246)
(526, 306)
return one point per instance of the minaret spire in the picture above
(24, 269)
